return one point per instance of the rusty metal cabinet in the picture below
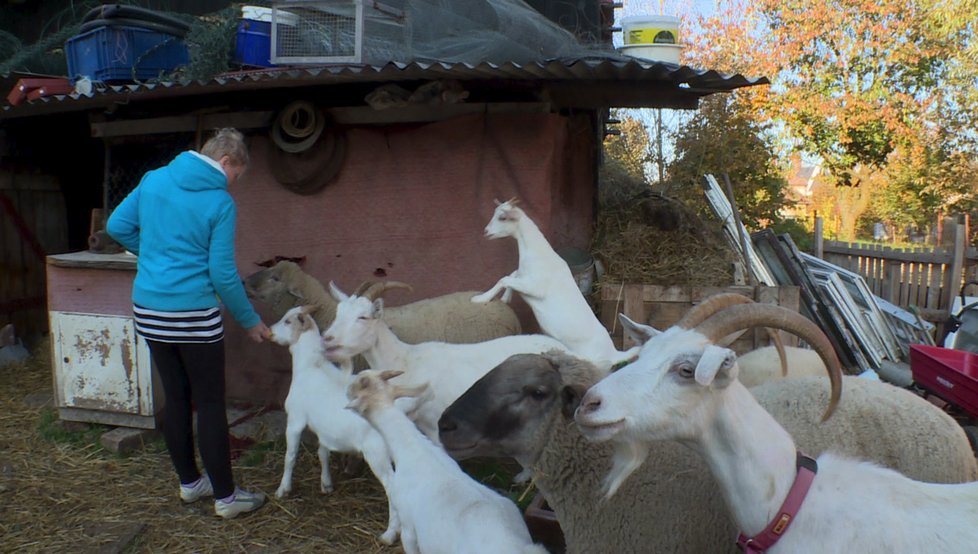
(102, 370)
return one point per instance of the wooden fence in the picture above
(32, 224)
(927, 278)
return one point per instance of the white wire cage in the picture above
(337, 31)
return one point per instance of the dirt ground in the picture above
(60, 491)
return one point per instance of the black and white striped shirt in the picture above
(200, 326)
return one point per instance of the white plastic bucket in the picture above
(263, 14)
(668, 53)
(650, 29)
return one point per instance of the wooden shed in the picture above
(412, 192)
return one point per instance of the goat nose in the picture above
(591, 404)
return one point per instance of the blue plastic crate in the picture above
(120, 53)
(253, 44)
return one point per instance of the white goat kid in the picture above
(317, 399)
(442, 510)
(547, 285)
(449, 369)
(683, 387)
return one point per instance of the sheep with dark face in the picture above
(524, 409)
(447, 318)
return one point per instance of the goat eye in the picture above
(686, 370)
(538, 393)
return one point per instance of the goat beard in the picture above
(628, 456)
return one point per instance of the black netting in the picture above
(129, 160)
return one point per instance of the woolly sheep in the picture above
(762, 365)
(547, 285)
(443, 511)
(683, 387)
(317, 399)
(448, 318)
(524, 409)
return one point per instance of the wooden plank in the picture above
(934, 285)
(634, 309)
(610, 305)
(181, 124)
(891, 283)
(850, 250)
(86, 259)
(952, 281)
(904, 285)
(89, 290)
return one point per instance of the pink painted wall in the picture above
(412, 200)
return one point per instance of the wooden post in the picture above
(819, 239)
(952, 280)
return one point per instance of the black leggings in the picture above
(195, 372)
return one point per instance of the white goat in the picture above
(317, 399)
(442, 510)
(683, 387)
(547, 285)
(449, 369)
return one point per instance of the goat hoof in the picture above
(326, 489)
(480, 299)
(523, 476)
(389, 537)
(282, 493)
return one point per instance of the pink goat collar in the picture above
(807, 468)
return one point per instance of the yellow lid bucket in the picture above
(650, 29)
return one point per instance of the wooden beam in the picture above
(365, 115)
(181, 124)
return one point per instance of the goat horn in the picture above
(364, 287)
(739, 317)
(709, 306)
(378, 288)
(713, 304)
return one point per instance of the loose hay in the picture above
(644, 237)
(68, 494)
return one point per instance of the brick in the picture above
(123, 440)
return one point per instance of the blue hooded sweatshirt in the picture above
(180, 221)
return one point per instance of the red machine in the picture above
(947, 373)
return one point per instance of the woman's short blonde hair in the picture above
(227, 142)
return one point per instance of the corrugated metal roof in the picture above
(684, 82)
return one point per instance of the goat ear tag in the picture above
(711, 361)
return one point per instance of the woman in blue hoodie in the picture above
(180, 222)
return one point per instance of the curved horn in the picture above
(713, 304)
(378, 288)
(709, 306)
(364, 287)
(739, 317)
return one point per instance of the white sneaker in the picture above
(198, 490)
(241, 501)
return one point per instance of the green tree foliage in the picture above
(724, 137)
(631, 148)
(865, 82)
